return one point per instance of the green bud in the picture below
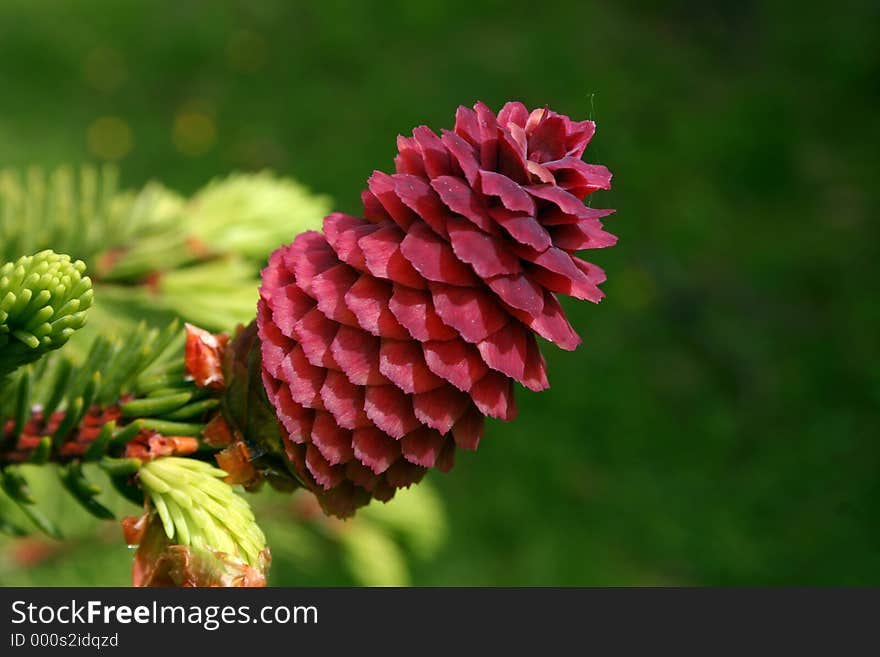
(43, 300)
(197, 509)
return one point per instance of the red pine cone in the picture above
(387, 339)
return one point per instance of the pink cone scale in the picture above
(387, 339)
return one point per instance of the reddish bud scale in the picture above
(203, 356)
(387, 339)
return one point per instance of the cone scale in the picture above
(387, 339)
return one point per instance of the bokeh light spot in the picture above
(109, 138)
(195, 130)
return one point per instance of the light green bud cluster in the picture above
(198, 509)
(43, 301)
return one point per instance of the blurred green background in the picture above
(719, 426)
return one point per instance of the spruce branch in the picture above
(129, 400)
(153, 252)
(131, 405)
